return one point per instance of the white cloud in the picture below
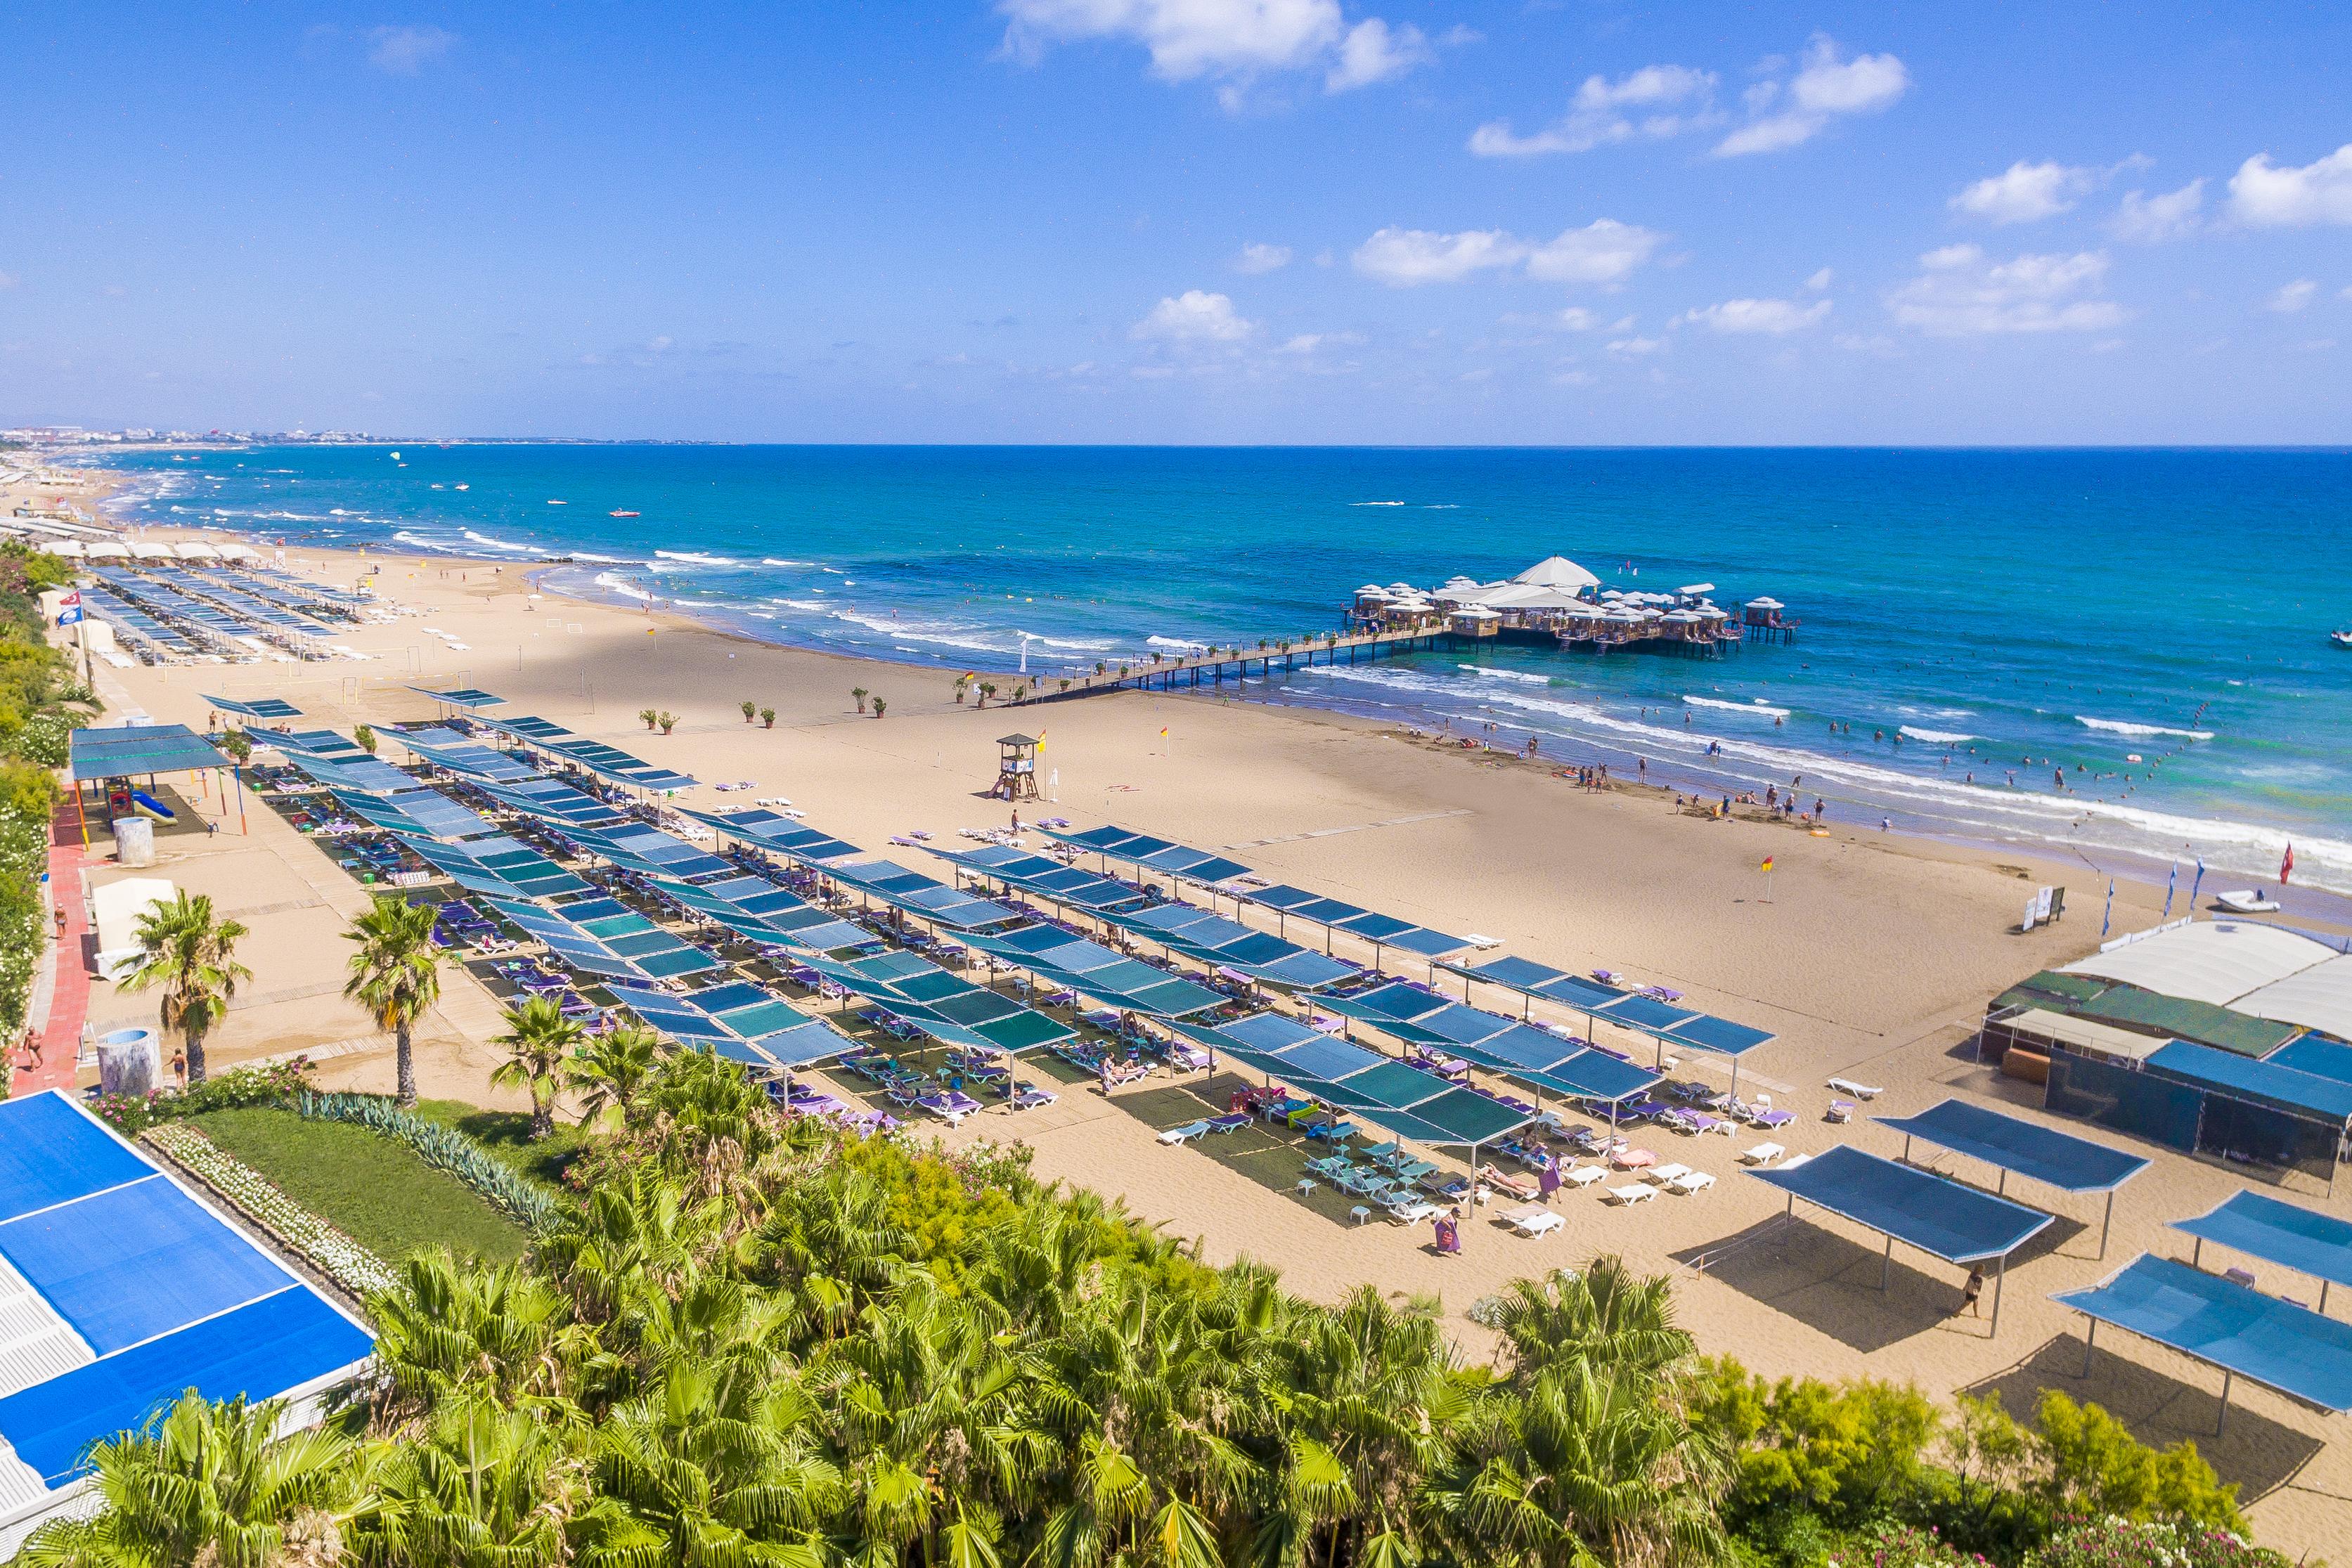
(2292, 297)
(2268, 195)
(2024, 193)
(2150, 219)
(1960, 293)
(1820, 280)
(1577, 318)
(1372, 52)
(1634, 347)
(1231, 40)
(1194, 316)
(1656, 101)
(1823, 88)
(1768, 316)
(1604, 251)
(1256, 258)
(405, 51)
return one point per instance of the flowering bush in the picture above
(265, 1084)
(326, 1249)
(1891, 1545)
(2148, 1543)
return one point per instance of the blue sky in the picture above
(1188, 221)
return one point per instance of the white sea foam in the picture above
(970, 638)
(1933, 736)
(1987, 810)
(1082, 644)
(695, 558)
(1494, 675)
(2118, 726)
(780, 560)
(1376, 503)
(603, 559)
(1179, 644)
(614, 582)
(487, 542)
(1763, 709)
(420, 542)
(802, 604)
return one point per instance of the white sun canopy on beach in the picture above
(2215, 961)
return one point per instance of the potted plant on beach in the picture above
(987, 690)
(667, 720)
(194, 957)
(395, 974)
(750, 709)
(859, 693)
(1101, 668)
(1065, 683)
(539, 1042)
(961, 681)
(651, 716)
(767, 719)
(238, 744)
(366, 737)
(878, 706)
(1021, 692)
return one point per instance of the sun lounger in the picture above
(1231, 1122)
(1763, 1153)
(1409, 1209)
(1663, 1173)
(1841, 1111)
(1632, 1159)
(1185, 1133)
(1768, 1120)
(1632, 1195)
(1510, 1182)
(1584, 1175)
(1859, 1091)
(1534, 1219)
(1031, 1097)
(1691, 1182)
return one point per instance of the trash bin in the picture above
(135, 842)
(130, 1061)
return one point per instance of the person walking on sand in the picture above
(1971, 1291)
(180, 1069)
(32, 1050)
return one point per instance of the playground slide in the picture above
(152, 807)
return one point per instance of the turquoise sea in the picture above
(2154, 622)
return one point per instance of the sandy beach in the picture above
(1868, 955)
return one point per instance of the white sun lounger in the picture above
(1665, 1175)
(1584, 1175)
(1534, 1219)
(1859, 1091)
(1185, 1133)
(1840, 1111)
(1690, 1182)
(1636, 1194)
(1763, 1153)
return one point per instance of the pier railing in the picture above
(1218, 665)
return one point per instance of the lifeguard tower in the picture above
(1016, 767)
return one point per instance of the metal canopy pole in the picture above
(2223, 1419)
(2110, 1219)
(2090, 1336)
(1886, 1262)
(1999, 1279)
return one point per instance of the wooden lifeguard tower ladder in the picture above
(1016, 767)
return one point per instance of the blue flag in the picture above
(2197, 883)
(2171, 881)
(2108, 918)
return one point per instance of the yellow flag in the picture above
(1767, 863)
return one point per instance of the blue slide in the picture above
(152, 807)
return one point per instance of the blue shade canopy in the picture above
(463, 754)
(777, 833)
(356, 772)
(2026, 1148)
(2320, 1057)
(547, 797)
(2280, 1345)
(415, 813)
(255, 707)
(2287, 1234)
(1419, 1016)
(759, 911)
(464, 696)
(1402, 1100)
(133, 1292)
(131, 750)
(1667, 1021)
(1940, 1218)
(1094, 970)
(608, 762)
(947, 1007)
(925, 897)
(501, 867)
(2326, 1099)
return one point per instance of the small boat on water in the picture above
(622, 512)
(2341, 639)
(2248, 902)
(465, 486)
(559, 503)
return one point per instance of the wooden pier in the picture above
(1221, 665)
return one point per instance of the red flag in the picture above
(2286, 865)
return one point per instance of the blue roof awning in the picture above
(2276, 1343)
(1939, 1217)
(2060, 1159)
(2287, 1234)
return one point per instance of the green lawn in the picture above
(374, 1188)
(507, 1134)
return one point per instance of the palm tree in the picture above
(1607, 1316)
(193, 957)
(614, 1068)
(397, 976)
(859, 693)
(458, 1330)
(209, 1483)
(538, 1041)
(481, 1488)
(651, 716)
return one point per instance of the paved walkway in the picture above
(67, 977)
